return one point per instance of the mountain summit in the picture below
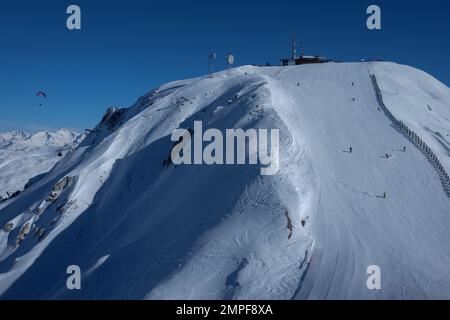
(364, 152)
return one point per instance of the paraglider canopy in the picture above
(41, 94)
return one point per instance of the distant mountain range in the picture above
(25, 155)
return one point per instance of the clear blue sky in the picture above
(126, 48)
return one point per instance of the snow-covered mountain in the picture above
(24, 156)
(138, 229)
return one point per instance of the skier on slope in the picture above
(351, 150)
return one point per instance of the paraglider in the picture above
(41, 94)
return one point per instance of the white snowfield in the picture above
(24, 156)
(139, 230)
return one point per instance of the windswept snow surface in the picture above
(24, 156)
(138, 230)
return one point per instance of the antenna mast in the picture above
(294, 47)
(211, 58)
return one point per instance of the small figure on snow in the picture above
(351, 150)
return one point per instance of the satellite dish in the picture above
(230, 59)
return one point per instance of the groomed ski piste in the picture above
(139, 230)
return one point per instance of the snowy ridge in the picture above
(14, 135)
(139, 229)
(415, 139)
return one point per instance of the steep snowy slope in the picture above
(24, 156)
(138, 229)
(356, 228)
(421, 102)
